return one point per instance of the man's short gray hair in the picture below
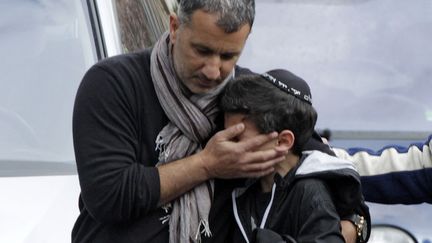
(233, 14)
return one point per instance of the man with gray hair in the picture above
(144, 129)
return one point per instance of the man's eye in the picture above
(204, 52)
(227, 56)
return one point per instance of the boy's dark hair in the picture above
(275, 101)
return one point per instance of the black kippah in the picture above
(289, 83)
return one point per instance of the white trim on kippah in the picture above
(292, 91)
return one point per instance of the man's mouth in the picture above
(205, 83)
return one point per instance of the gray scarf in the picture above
(191, 122)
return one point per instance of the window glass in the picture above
(368, 61)
(142, 22)
(45, 48)
(134, 24)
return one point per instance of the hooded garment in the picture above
(306, 204)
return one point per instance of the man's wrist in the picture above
(360, 224)
(202, 164)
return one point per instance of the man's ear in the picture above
(173, 26)
(286, 138)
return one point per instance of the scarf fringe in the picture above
(167, 207)
(165, 219)
(163, 151)
(159, 143)
(206, 230)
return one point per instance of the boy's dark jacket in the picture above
(306, 203)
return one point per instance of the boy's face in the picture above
(250, 129)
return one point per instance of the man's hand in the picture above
(349, 231)
(225, 158)
(221, 158)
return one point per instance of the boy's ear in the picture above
(286, 138)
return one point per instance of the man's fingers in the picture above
(281, 149)
(256, 167)
(255, 142)
(231, 132)
(258, 174)
(260, 169)
(260, 157)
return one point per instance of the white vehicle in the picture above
(368, 63)
(46, 47)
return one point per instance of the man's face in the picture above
(204, 55)
(250, 129)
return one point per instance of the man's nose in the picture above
(212, 67)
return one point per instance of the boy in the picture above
(302, 200)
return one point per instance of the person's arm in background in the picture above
(394, 174)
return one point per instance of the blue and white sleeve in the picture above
(394, 174)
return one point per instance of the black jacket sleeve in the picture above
(116, 185)
(318, 220)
